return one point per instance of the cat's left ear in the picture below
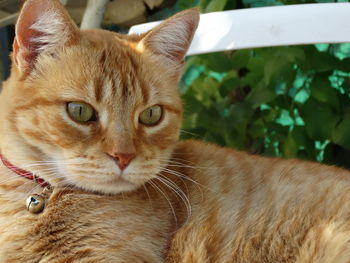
(172, 38)
(43, 27)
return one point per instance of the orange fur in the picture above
(176, 201)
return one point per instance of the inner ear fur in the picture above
(43, 27)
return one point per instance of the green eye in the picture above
(81, 112)
(151, 116)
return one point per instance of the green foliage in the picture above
(281, 101)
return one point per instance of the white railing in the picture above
(268, 26)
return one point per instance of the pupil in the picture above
(150, 113)
(80, 110)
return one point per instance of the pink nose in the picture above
(123, 159)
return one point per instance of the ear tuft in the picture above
(51, 31)
(43, 26)
(172, 38)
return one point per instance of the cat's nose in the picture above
(123, 159)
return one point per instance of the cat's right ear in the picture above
(172, 38)
(43, 27)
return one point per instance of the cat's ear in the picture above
(172, 38)
(43, 26)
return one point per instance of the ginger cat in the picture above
(96, 115)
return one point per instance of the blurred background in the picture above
(291, 102)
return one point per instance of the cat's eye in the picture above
(81, 112)
(151, 115)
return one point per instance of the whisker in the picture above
(33, 189)
(9, 179)
(177, 190)
(149, 197)
(180, 160)
(190, 133)
(154, 185)
(178, 174)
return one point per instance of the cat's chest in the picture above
(76, 227)
(15, 221)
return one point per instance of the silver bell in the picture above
(35, 204)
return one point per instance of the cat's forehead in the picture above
(122, 72)
(118, 79)
(110, 51)
(106, 69)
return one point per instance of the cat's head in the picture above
(92, 108)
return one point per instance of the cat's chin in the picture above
(117, 186)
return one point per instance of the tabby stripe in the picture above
(98, 86)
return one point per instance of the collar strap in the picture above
(23, 173)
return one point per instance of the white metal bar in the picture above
(93, 15)
(268, 26)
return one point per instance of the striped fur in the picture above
(180, 202)
(249, 208)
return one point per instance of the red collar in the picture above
(23, 173)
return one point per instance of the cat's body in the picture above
(255, 209)
(244, 208)
(97, 115)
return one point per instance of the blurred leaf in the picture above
(323, 92)
(340, 134)
(185, 4)
(300, 136)
(241, 58)
(218, 62)
(229, 83)
(321, 61)
(260, 95)
(319, 119)
(203, 4)
(346, 85)
(191, 74)
(290, 147)
(214, 6)
(259, 3)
